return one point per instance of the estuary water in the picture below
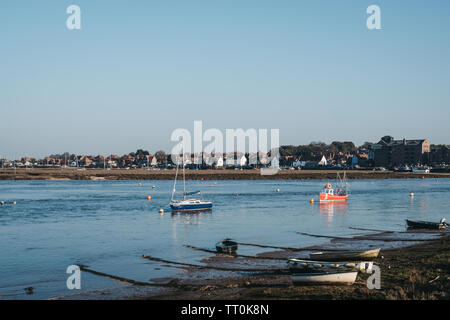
(109, 225)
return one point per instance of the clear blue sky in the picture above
(137, 70)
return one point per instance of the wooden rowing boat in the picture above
(344, 255)
(426, 224)
(347, 277)
(305, 265)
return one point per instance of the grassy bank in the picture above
(140, 174)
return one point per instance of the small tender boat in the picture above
(426, 224)
(227, 246)
(344, 255)
(302, 265)
(328, 194)
(346, 277)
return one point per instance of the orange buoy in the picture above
(423, 177)
(201, 179)
(411, 194)
(311, 200)
(149, 198)
(14, 202)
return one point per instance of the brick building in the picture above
(389, 152)
(440, 155)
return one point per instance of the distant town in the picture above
(386, 154)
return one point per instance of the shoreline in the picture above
(218, 174)
(416, 272)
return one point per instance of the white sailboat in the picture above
(187, 204)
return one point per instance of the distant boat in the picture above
(328, 194)
(426, 224)
(227, 246)
(298, 264)
(344, 255)
(421, 169)
(346, 277)
(187, 204)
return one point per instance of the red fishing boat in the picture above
(328, 194)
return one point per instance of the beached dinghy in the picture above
(226, 246)
(344, 255)
(302, 265)
(346, 277)
(426, 224)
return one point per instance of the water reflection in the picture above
(190, 218)
(328, 209)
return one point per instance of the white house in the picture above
(323, 161)
(243, 161)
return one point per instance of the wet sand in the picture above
(219, 174)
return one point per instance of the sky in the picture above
(138, 70)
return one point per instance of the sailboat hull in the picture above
(177, 207)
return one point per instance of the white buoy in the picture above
(161, 210)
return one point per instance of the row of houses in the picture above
(87, 161)
(388, 153)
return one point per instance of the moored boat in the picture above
(344, 255)
(414, 224)
(302, 265)
(421, 169)
(190, 205)
(345, 277)
(328, 193)
(187, 204)
(227, 246)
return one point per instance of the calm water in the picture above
(108, 225)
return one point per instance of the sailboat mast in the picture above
(174, 183)
(184, 181)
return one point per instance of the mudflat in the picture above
(419, 272)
